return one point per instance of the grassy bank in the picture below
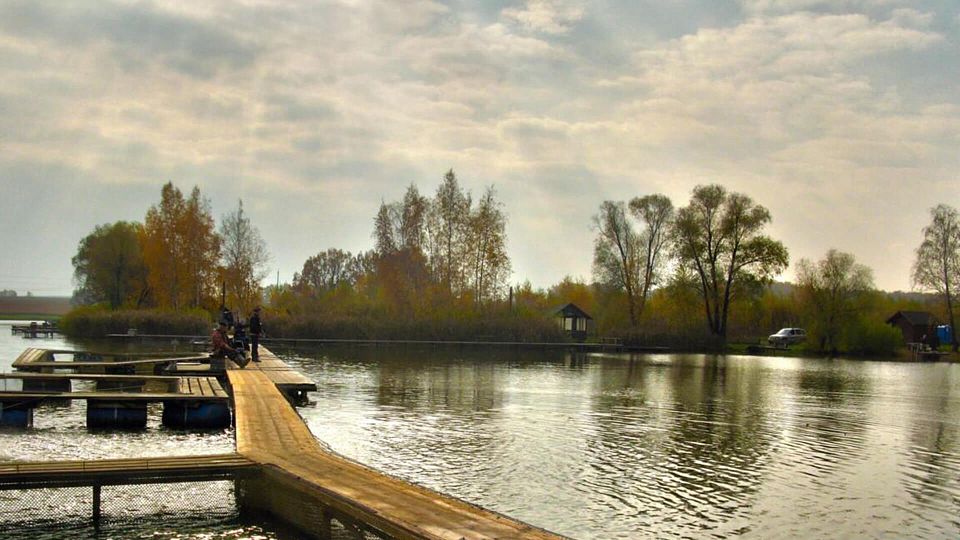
(29, 316)
(517, 329)
(95, 322)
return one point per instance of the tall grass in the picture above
(492, 328)
(96, 322)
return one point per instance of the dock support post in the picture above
(96, 506)
(325, 531)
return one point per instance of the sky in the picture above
(842, 117)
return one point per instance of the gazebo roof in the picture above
(571, 310)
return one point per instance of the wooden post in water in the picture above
(96, 506)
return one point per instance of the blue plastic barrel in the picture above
(196, 415)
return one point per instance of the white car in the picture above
(787, 336)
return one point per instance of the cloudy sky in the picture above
(840, 116)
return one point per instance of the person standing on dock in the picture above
(226, 316)
(222, 348)
(256, 328)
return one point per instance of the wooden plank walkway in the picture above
(269, 431)
(283, 376)
(31, 475)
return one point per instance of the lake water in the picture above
(609, 446)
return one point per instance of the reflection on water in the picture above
(594, 446)
(698, 446)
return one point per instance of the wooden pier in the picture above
(34, 330)
(281, 470)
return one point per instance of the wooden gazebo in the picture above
(574, 321)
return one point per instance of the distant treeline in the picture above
(694, 277)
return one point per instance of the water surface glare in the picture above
(656, 446)
(590, 446)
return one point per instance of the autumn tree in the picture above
(719, 238)
(487, 249)
(109, 266)
(448, 226)
(570, 290)
(833, 291)
(244, 258)
(181, 249)
(617, 253)
(399, 235)
(937, 267)
(326, 271)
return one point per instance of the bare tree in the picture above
(937, 267)
(718, 236)
(244, 259)
(833, 291)
(617, 253)
(655, 212)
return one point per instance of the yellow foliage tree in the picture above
(181, 249)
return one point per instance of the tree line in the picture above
(696, 274)
(713, 254)
(176, 259)
(437, 260)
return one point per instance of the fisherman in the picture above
(222, 348)
(256, 328)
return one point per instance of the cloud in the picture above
(545, 16)
(316, 111)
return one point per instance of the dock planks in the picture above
(189, 389)
(270, 432)
(33, 359)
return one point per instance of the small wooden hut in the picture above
(573, 321)
(917, 326)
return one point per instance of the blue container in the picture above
(945, 334)
(116, 417)
(16, 416)
(202, 415)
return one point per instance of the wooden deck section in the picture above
(270, 432)
(187, 388)
(31, 475)
(287, 379)
(42, 360)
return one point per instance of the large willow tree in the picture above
(719, 239)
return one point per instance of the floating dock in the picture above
(280, 469)
(120, 401)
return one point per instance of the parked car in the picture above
(787, 336)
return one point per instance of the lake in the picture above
(603, 446)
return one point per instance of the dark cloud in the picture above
(138, 34)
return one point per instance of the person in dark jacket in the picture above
(256, 328)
